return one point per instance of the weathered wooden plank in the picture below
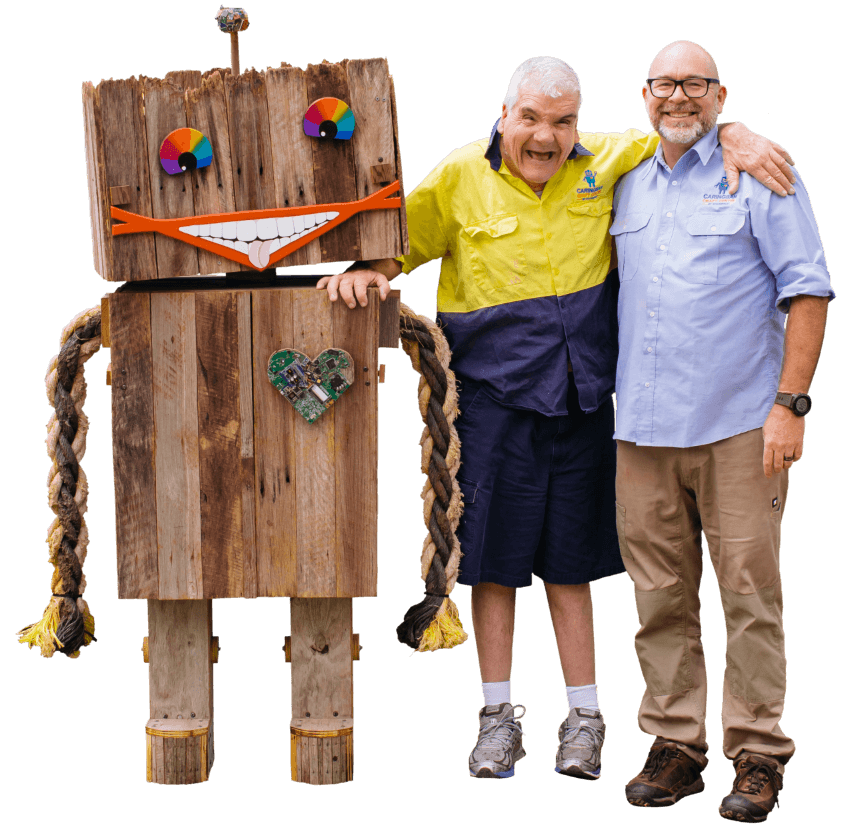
(334, 165)
(185, 78)
(292, 151)
(96, 178)
(388, 321)
(356, 441)
(373, 144)
(315, 479)
(180, 666)
(274, 418)
(402, 248)
(134, 445)
(218, 389)
(321, 658)
(248, 472)
(250, 142)
(212, 185)
(177, 463)
(172, 195)
(126, 162)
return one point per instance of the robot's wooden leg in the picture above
(181, 651)
(321, 650)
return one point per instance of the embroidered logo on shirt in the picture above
(721, 196)
(591, 190)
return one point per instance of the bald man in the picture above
(711, 398)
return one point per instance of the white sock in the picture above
(496, 692)
(583, 696)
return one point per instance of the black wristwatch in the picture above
(799, 404)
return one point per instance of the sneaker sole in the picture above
(663, 802)
(485, 773)
(578, 773)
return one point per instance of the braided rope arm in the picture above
(67, 624)
(434, 623)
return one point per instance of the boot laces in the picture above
(752, 776)
(659, 759)
(581, 735)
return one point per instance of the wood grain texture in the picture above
(246, 444)
(322, 760)
(388, 321)
(334, 164)
(96, 179)
(402, 248)
(177, 463)
(134, 445)
(185, 78)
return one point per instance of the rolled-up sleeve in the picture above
(790, 244)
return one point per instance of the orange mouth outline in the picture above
(173, 227)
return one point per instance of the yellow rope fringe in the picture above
(445, 631)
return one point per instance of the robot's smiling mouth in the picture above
(258, 238)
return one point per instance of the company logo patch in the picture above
(721, 196)
(591, 190)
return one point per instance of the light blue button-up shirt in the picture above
(705, 282)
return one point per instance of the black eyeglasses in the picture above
(692, 87)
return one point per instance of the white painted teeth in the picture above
(261, 237)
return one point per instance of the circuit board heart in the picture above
(311, 385)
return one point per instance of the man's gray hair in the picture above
(548, 75)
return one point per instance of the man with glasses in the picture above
(520, 223)
(710, 403)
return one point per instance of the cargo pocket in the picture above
(710, 230)
(495, 252)
(628, 232)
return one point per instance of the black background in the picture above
(415, 717)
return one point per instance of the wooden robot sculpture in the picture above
(244, 403)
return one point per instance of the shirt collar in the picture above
(704, 148)
(493, 153)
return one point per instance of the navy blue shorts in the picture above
(539, 493)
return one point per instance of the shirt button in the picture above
(548, 236)
(713, 228)
(646, 384)
(649, 350)
(663, 247)
(674, 183)
(655, 278)
(652, 313)
(669, 214)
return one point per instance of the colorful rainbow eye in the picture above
(329, 118)
(185, 149)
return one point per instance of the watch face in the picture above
(802, 405)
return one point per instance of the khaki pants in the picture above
(665, 497)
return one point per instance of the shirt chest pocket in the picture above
(708, 260)
(628, 232)
(495, 252)
(589, 222)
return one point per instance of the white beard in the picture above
(686, 134)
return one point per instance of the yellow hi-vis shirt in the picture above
(523, 289)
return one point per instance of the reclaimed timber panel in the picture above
(185, 78)
(134, 445)
(402, 248)
(373, 144)
(218, 398)
(250, 142)
(177, 462)
(315, 458)
(274, 422)
(388, 321)
(246, 450)
(292, 151)
(96, 179)
(172, 195)
(212, 186)
(334, 165)
(126, 158)
(356, 440)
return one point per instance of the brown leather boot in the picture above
(668, 775)
(755, 789)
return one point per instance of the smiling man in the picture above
(520, 222)
(710, 404)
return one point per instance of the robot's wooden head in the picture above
(203, 173)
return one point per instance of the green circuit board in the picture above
(312, 386)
